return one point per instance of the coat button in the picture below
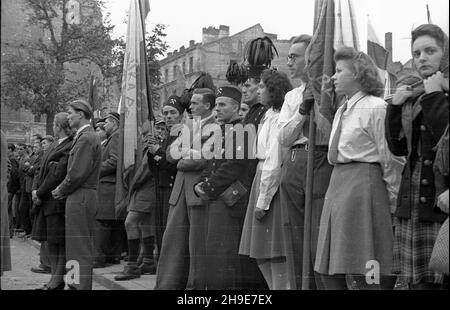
(170, 184)
(425, 182)
(427, 162)
(423, 200)
(171, 177)
(423, 128)
(235, 192)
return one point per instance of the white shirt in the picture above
(290, 120)
(362, 139)
(269, 151)
(62, 140)
(81, 129)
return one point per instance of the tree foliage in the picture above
(38, 81)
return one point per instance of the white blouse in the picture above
(362, 139)
(269, 151)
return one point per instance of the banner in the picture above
(134, 103)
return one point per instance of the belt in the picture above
(320, 148)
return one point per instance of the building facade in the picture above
(181, 67)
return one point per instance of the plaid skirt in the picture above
(414, 241)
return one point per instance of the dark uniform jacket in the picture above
(158, 163)
(221, 173)
(84, 163)
(254, 117)
(13, 180)
(428, 128)
(32, 170)
(107, 183)
(53, 170)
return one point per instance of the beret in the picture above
(175, 102)
(229, 91)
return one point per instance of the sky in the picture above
(186, 18)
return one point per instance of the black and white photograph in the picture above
(224, 150)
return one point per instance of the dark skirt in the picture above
(355, 226)
(262, 239)
(414, 241)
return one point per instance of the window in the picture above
(174, 72)
(191, 64)
(166, 75)
(184, 67)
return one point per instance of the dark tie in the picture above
(333, 151)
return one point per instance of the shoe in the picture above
(40, 270)
(46, 287)
(129, 273)
(147, 268)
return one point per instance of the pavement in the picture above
(25, 255)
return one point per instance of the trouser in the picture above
(292, 195)
(25, 212)
(11, 211)
(108, 240)
(223, 268)
(181, 263)
(44, 255)
(81, 207)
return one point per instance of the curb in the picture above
(96, 276)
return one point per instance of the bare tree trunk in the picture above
(49, 124)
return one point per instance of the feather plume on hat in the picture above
(236, 73)
(203, 81)
(258, 55)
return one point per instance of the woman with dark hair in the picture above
(355, 235)
(415, 122)
(50, 217)
(262, 236)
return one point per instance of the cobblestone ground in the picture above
(24, 256)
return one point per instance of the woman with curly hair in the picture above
(415, 122)
(355, 235)
(262, 236)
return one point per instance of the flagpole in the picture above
(308, 203)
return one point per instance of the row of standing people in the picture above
(374, 186)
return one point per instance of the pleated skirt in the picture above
(355, 234)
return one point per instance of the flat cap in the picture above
(81, 105)
(114, 115)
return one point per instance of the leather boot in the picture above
(129, 272)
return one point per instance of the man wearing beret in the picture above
(164, 170)
(108, 232)
(181, 263)
(79, 187)
(225, 185)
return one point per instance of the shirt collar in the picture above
(356, 97)
(81, 129)
(203, 121)
(62, 140)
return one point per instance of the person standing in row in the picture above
(415, 122)
(181, 264)
(224, 186)
(50, 223)
(262, 235)
(108, 233)
(356, 226)
(79, 187)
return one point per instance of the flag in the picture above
(429, 15)
(380, 56)
(334, 26)
(134, 105)
(93, 96)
